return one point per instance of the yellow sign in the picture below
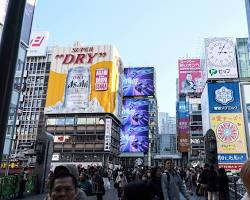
(84, 80)
(230, 133)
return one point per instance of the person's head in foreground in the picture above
(63, 187)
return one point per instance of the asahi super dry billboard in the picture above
(84, 80)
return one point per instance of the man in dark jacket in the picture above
(203, 179)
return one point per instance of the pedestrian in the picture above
(171, 182)
(22, 182)
(72, 169)
(203, 181)
(121, 180)
(98, 185)
(245, 177)
(189, 181)
(84, 184)
(223, 186)
(155, 184)
(63, 186)
(137, 190)
(212, 184)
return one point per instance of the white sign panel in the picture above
(38, 44)
(108, 132)
(220, 58)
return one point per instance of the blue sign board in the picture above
(232, 158)
(224, 98)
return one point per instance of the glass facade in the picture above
(243, 57)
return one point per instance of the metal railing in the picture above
(237, 189)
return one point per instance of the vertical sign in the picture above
(108, 132)
(101, 79)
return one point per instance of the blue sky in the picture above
(146, 32)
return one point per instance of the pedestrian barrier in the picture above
(9, 186)
(237, 190)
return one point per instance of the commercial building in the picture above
(247, 3)
(139, 117)
(188, 112)
(243, 59)
(20, 73)
(222, 109)
(83, 104)
(30, 119)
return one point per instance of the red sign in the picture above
(229, 166)
(101, 79)
(37, 41)
(190, 80)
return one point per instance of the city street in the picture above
(110, 195)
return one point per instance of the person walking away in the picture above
(212, 184)
(203, 181)
(84, 184)
(98, 185)
(137, 190)
(223, 186)
(188, 181)
(172, 184)
(245, 177)
(23, 181)
(121, 180)
(155, 184)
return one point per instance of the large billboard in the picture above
(138, 81)
(230, 136)
(190, 80)
(220, 58)
(84, 80)
(38, 43)
(224, 97)
(134, 134)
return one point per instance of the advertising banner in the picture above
(220, 58)
(224, 97)
(230, 136)
(183, 142)
(190, 80)
(108, 133)
(134, 135)
(38, 44)
(84, 80)
(138, 81)
(27, 20)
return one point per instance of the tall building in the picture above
(244, 76)
(247, 2)
(30, 119)
(167, 133)
(140, 116)
(83, 104)
(20, 73)
(222, 109)
(197, 145)
(188, 111)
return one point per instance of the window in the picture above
(81, 121)
(69, 121)
(90, 120)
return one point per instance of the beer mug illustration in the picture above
(77, 89)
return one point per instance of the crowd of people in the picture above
(140, 183)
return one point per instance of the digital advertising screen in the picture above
(134, 134)
(138, 81)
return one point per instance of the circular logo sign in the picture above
(227, 132)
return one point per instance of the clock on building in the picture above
(220, 52)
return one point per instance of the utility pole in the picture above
(8, 57)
